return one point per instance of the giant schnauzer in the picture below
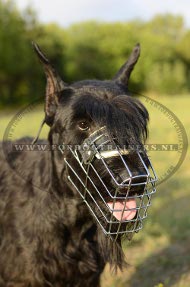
(62, 222)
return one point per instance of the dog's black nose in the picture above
(138, 185)
(131, 185)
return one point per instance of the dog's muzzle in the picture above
(120, 199)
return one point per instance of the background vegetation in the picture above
(159, 256)
(91, 50)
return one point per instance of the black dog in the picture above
(64, 219)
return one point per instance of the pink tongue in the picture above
(119, 206)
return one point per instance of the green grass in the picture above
(159, 255)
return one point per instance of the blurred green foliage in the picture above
(90, 50)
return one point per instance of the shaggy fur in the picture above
(48, 237)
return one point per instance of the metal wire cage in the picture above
(121, 208)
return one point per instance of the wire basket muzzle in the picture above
(115, 183)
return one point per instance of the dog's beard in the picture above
(111, 251)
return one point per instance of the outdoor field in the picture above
(159, 256)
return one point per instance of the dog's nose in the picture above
(135, 177)
(131, 185)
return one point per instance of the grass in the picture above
(159, 255)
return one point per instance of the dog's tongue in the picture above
(129, 209)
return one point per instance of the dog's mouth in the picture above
(123, 210)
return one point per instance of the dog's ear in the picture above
(123, 75)
(54, 86)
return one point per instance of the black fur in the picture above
(48, 237)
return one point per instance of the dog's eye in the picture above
(83, 126)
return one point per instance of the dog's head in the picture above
(100, 130)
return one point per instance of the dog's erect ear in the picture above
(124, 73)
(53, 87)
